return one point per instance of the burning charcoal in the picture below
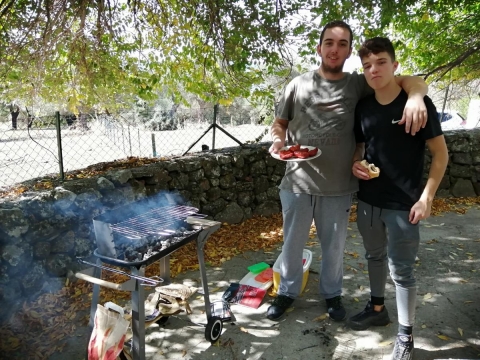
(157, 247)
(147, 254)
(166, 243)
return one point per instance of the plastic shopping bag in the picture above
(109, 331)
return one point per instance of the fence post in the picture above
(139, 144)
(123, 141)
(59, 145)
(215, 111)
(154, 148)
(129, 140)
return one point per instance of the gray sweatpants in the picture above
(331, 219)
(387, 234)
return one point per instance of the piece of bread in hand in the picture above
(373, 171)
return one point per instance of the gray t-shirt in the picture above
(321, 113)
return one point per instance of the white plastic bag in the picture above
(109, 331)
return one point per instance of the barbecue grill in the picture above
(137, 235)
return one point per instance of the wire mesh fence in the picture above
(46, 145)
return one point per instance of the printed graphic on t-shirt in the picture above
(327, 120)
(324, 139)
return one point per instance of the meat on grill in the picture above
(143, 247)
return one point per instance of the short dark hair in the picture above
(334, 24)
(375, 46)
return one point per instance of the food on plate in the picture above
(313, 152)
(294, 148)
(297, 152)
(301, 154)
(373, 171)
(285, 154)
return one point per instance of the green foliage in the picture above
(441, 37)
(106, 54)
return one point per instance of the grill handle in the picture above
(146, 281)
(197, 215)
(98, 281)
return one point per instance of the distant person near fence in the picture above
(14, 111)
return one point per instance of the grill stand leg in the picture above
(138, 316)
(203, 275)
(165, 269)
(97, 272)
(201, 240)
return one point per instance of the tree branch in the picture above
(449, 66)
(5, 6)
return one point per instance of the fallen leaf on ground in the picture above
(427, 296)
(443, 337)
(321, 317)
(228, 342)
(228, 241)
(460, 331)
(385, 343)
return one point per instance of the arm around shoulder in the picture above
(415, 112)
(413, 85)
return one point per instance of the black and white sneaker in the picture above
(335, 308)
(403, 349)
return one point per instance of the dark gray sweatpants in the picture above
(389, 238)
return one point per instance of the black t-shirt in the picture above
(400, 156)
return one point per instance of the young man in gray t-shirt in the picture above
(317, 109)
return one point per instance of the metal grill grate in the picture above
(159, 221)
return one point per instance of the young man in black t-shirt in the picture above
(391, 205)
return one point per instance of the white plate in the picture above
(277, 156)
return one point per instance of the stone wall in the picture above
(462, 178)
(41, 233)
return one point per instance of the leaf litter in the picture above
(40, 328)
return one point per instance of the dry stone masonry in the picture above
(41, 233)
